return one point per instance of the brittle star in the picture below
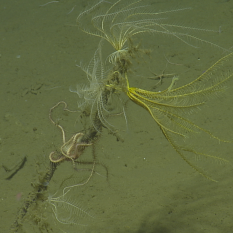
(71, 149)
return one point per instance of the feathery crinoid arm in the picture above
(210, 84)
(169, 108)
(119, 21)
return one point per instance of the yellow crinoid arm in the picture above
(168, 107)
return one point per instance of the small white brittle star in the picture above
(71, 149)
